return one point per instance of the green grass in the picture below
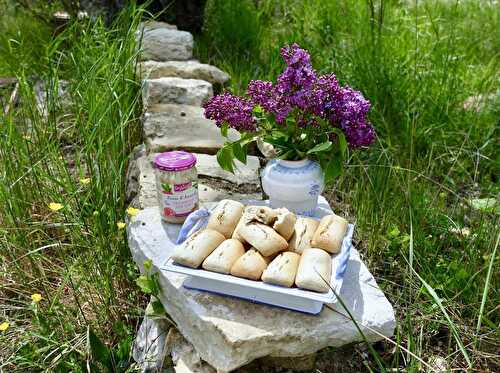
(416, 62)
(76, 258)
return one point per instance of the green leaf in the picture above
(334, 168)
(240, 152)
(148, 264)
(225, 158)
(257, 109)
(99, 351)
(342, 141)
(146, 284)
(224, 129)
(323, 147)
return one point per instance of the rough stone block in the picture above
(170, 127)
(164, 43)
(228, 333)
(149, 349)
(175, 91)
(182, 69)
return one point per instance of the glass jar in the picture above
(176, 185)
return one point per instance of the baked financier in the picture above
(314, 271)
(250, 265)
(223, 257)
(282, 270)
(330, 233)
(303, 233)
(225, 216)
(263, 238)
(197, 247)
(285, 223)
(261, 214)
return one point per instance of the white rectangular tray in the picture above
(257, 291)
(260, 292)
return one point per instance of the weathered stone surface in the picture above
(154, 25)
(184, 356)
(164, 43)
(182, 69)
(175, 91)
(214, 184)
(228, 333)
(149, 345)
(481, 102)
(169, 127)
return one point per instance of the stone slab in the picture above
(164, 44)
(149, 348)
(182, 69)
(171, 90)
(214, 183)
(170, 127)
(229, 333)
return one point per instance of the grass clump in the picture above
(63, 158)
(417, 62)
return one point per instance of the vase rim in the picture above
(293, 164)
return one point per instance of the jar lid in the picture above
(175, 161)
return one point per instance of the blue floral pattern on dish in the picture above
(314, 190)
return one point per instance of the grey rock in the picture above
(482, 102)
(182, 69)
(170, 126)
(149, 345)
(228, 333)
(154, 25)
(184, 356)
(175, 91)
(164, 44)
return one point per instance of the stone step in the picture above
(171, 126)
(171, 90)
(214, 183)
(182, 69)
(162, 42)
(228, 333)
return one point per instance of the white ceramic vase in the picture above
(295, 185)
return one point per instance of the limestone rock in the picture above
(182, 69)
(228, 333)
(169, 127)
(175, 91)
(483, 101)
(149, 345)
(154, 25)
(163, 43)
(184, 356)
(214, 184)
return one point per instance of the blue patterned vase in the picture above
(295, 185)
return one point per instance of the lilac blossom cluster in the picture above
(300, 90)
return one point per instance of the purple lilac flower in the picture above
(358, 134)
(261, 93)
(233, 110)
(325, 94)
(296, 82)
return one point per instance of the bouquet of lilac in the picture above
(302, 115)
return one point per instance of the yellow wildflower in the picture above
(120, 225)
(27, 137)
(55, 206)
(85, 181)
(36, 297)
(95, 213)
(132, 211)
(4, 326)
